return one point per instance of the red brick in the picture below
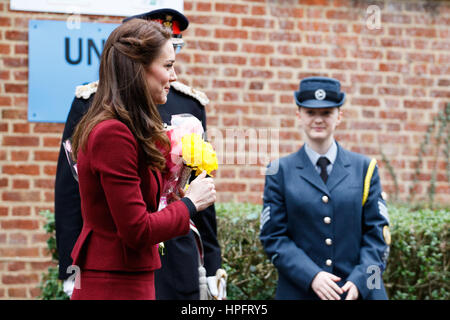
(5, 101)
(421, 57)
(417, 104)
(203, 6)
(229, 21)
(238, 60)
(341, 15)
(392, 91)
(20, 279)
(16, 88)
(255, 73)
(232, 8)
(313, 26)
(315, 2)
(440, 45)
(254, 97)
(401, 115)
(15, 62)
(29, 169)
(5, 22)
(52, 142)
(203, 45)
(21, 128)
(232, 187)
(231, 34)
(280, 86)
(200, 71)
(367, 102)
(259, 35)
(18, 239)
(258, 10)
(21, 184)
(20, 224)
(20, 75)
(288, 62)
(258, 61)
(16, 266)
(5, 49)
(368, 54)
(20, 196)
(341, 65)
(48, 128)
(285, 49)
(229, 46)
(394, 67)
(285, 37)
(46, 155)
(21, 211)
(20, 141)
(19, 155)
(366, 78)
(257, 23)
(396, 18)
(16, 35)
(396, 42)
(421, 32)
(287, 12)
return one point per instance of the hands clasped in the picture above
(202, 192)
(324, 285)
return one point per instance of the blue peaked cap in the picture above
(319, 92)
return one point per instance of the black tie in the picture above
(323, 162)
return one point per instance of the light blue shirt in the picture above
(330, 154)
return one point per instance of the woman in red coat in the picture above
(121, 149)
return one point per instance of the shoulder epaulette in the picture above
(85, 91)
(200, 96)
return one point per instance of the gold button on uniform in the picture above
(325, 199)
(329, 242)
(329, 262)
(327, 220)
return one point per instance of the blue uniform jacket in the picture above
(308, 226)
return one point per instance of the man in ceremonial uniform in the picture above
(324, 223)
(179, 276)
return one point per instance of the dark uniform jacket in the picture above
(178, 278)
(308, 226)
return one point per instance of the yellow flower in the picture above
(191, 145)
(198, 153)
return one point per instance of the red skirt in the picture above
(104, 285)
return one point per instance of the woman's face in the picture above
(319, 124)
(161, 73)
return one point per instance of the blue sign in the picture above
(61, 57)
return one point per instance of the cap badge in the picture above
(320, 94)
(168, 21)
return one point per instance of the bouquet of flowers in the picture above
(189, 152)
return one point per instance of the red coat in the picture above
(119, 200)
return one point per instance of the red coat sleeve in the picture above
(114, 158)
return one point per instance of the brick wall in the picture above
(248, 56)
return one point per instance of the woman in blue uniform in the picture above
(326, 233)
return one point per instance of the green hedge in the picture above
(418, 265)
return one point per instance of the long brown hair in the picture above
(123, 92)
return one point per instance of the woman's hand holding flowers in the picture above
(202, 192)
